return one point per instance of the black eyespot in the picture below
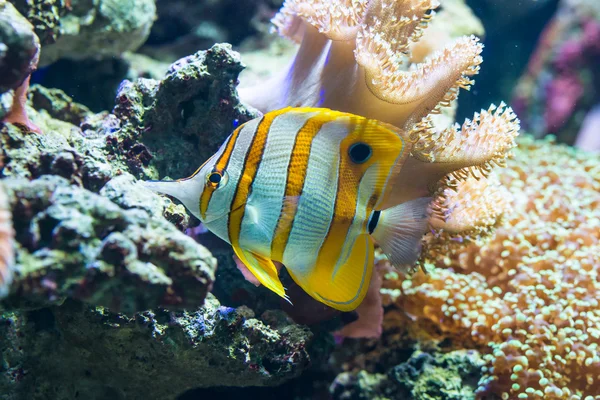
(360, 152)
(215, 178)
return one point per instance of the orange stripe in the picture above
(220, 165)
(350, 177)
(249, 169)
(294, 183)
(345, 204)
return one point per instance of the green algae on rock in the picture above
(74, 243)
(185, 117)
(75, 351)
(44, 15)
(425, 376)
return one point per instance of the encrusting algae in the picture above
(528, 297)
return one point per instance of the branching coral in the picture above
(6, 244)
(529, 296)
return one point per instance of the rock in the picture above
(19, 47)
(45, 16)
(425, 376)
(73, 351)
(89, 28)
(184, 118)
(19, 52)
(77, 244)
(58, 105)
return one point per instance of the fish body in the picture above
(304, 187)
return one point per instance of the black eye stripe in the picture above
(360, 152)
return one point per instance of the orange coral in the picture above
(6, 244)
(529, 297)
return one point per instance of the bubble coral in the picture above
(529, 297)
(367, 57)
(6, 244)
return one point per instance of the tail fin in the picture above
(400, 229)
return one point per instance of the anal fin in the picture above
(345, 289)
(263, 269)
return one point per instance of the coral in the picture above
(438, 376)
(74, 351)
(561, 84)
(19, 53)
(120, 253)
(528, 297)
(6, 244)
(91, 29)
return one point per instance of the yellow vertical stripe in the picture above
(249, 169)
(294, 183)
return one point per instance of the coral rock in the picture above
(19, 54)
(75, 351)
(104, 28)
(74, 243)
(424, 376)
(185, 117)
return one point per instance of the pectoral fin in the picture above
(399, 232)
(346, 288)
(263, 269)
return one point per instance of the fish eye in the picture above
(216, 179)
(360, 152)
